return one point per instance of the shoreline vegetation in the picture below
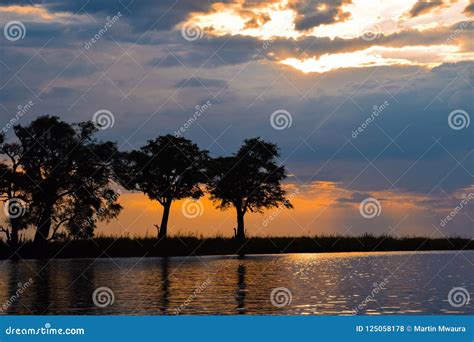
(124, 246)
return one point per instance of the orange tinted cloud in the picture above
(40, 12)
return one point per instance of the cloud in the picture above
(422, 7)
(469, 10)
(356, 197)
(313, 13)
(141, 15)
(201, 82)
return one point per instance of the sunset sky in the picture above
(324, 68)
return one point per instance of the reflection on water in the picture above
(337, 283)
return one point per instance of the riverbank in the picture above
(105, 247)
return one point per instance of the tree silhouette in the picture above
(167, 168)
(13, 191)
(69, 174)
(250, 180)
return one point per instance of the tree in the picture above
(250, 181)
(13, 191)
(167, 168)
(69, 174)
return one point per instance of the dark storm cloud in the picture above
(356, 197)
(312, 13)
(423, 7)
(469, 10)
(143, 16)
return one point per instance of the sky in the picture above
(369, 101)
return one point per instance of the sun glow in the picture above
(427, 56)
(276, 19)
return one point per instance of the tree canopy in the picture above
(250, 180)
(166, 169)
(69, 176)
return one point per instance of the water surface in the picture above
(327, 283)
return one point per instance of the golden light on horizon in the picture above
(424, 56)
(317, 209)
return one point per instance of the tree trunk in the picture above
(240, 234)
(14, 235)
(44, 225)
(164, 221)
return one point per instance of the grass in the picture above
(107, 246)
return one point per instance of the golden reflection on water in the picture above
(329, 283)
